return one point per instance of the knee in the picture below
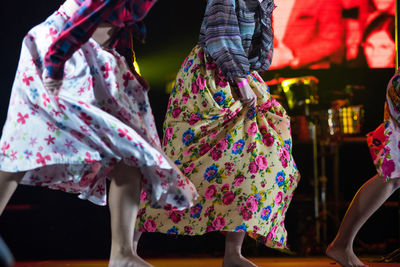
(396, 183)
(11, 176)
(123, 173)
(120, 169)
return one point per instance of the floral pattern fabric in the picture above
(239, 158)
(101, 116)
(384, 142)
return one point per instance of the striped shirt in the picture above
(238, 35)
(125, 14)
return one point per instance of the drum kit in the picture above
(324, 128)
(300, 98)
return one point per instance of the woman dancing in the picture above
(79, 114)
(228, 135)
(384, 145)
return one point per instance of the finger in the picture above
(253, 103)
(246, 101)
(249, 102)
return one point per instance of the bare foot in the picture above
(133, 261)
(237, 261)
(344, 257)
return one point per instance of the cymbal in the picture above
(302, 79)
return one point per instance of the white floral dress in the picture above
(100, 117)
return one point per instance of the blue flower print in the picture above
(188, 64)
(195, 211)
(34, 93)
(28, 153)
(288, 144)
(173, 91)
(387, 125)
(188, 137)
(76, 107)
(266, 213)
(200, 115)
(61, 126)
(219, 97)
(238, 147)
(143, 106)
(172, 231)
(49, 22)
(241, 228)
(251, 113)
(215, 117)
(280, 178)
(210, 172)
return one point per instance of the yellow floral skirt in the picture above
(239, 158)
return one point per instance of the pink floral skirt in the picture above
(239, 158)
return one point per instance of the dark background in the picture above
(47, 224)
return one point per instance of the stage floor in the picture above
(208, 262)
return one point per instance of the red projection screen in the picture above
(320, 34)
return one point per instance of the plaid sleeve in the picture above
(77, 31)
(84, 22)
(221, 37)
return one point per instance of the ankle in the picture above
(135, 254)
(340, 245)
(134, 249)
(121, 250)
(232, 254)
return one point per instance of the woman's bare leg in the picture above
(6, 258)
(367, 200)
(124, 202)
(8, 183)
(233, 251)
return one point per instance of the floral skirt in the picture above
(384, 142)
(101, 116)
(239, 158)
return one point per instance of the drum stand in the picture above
(328, 147)
(313, 131)
(321, 180)
(301, 93)
(320, 184)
